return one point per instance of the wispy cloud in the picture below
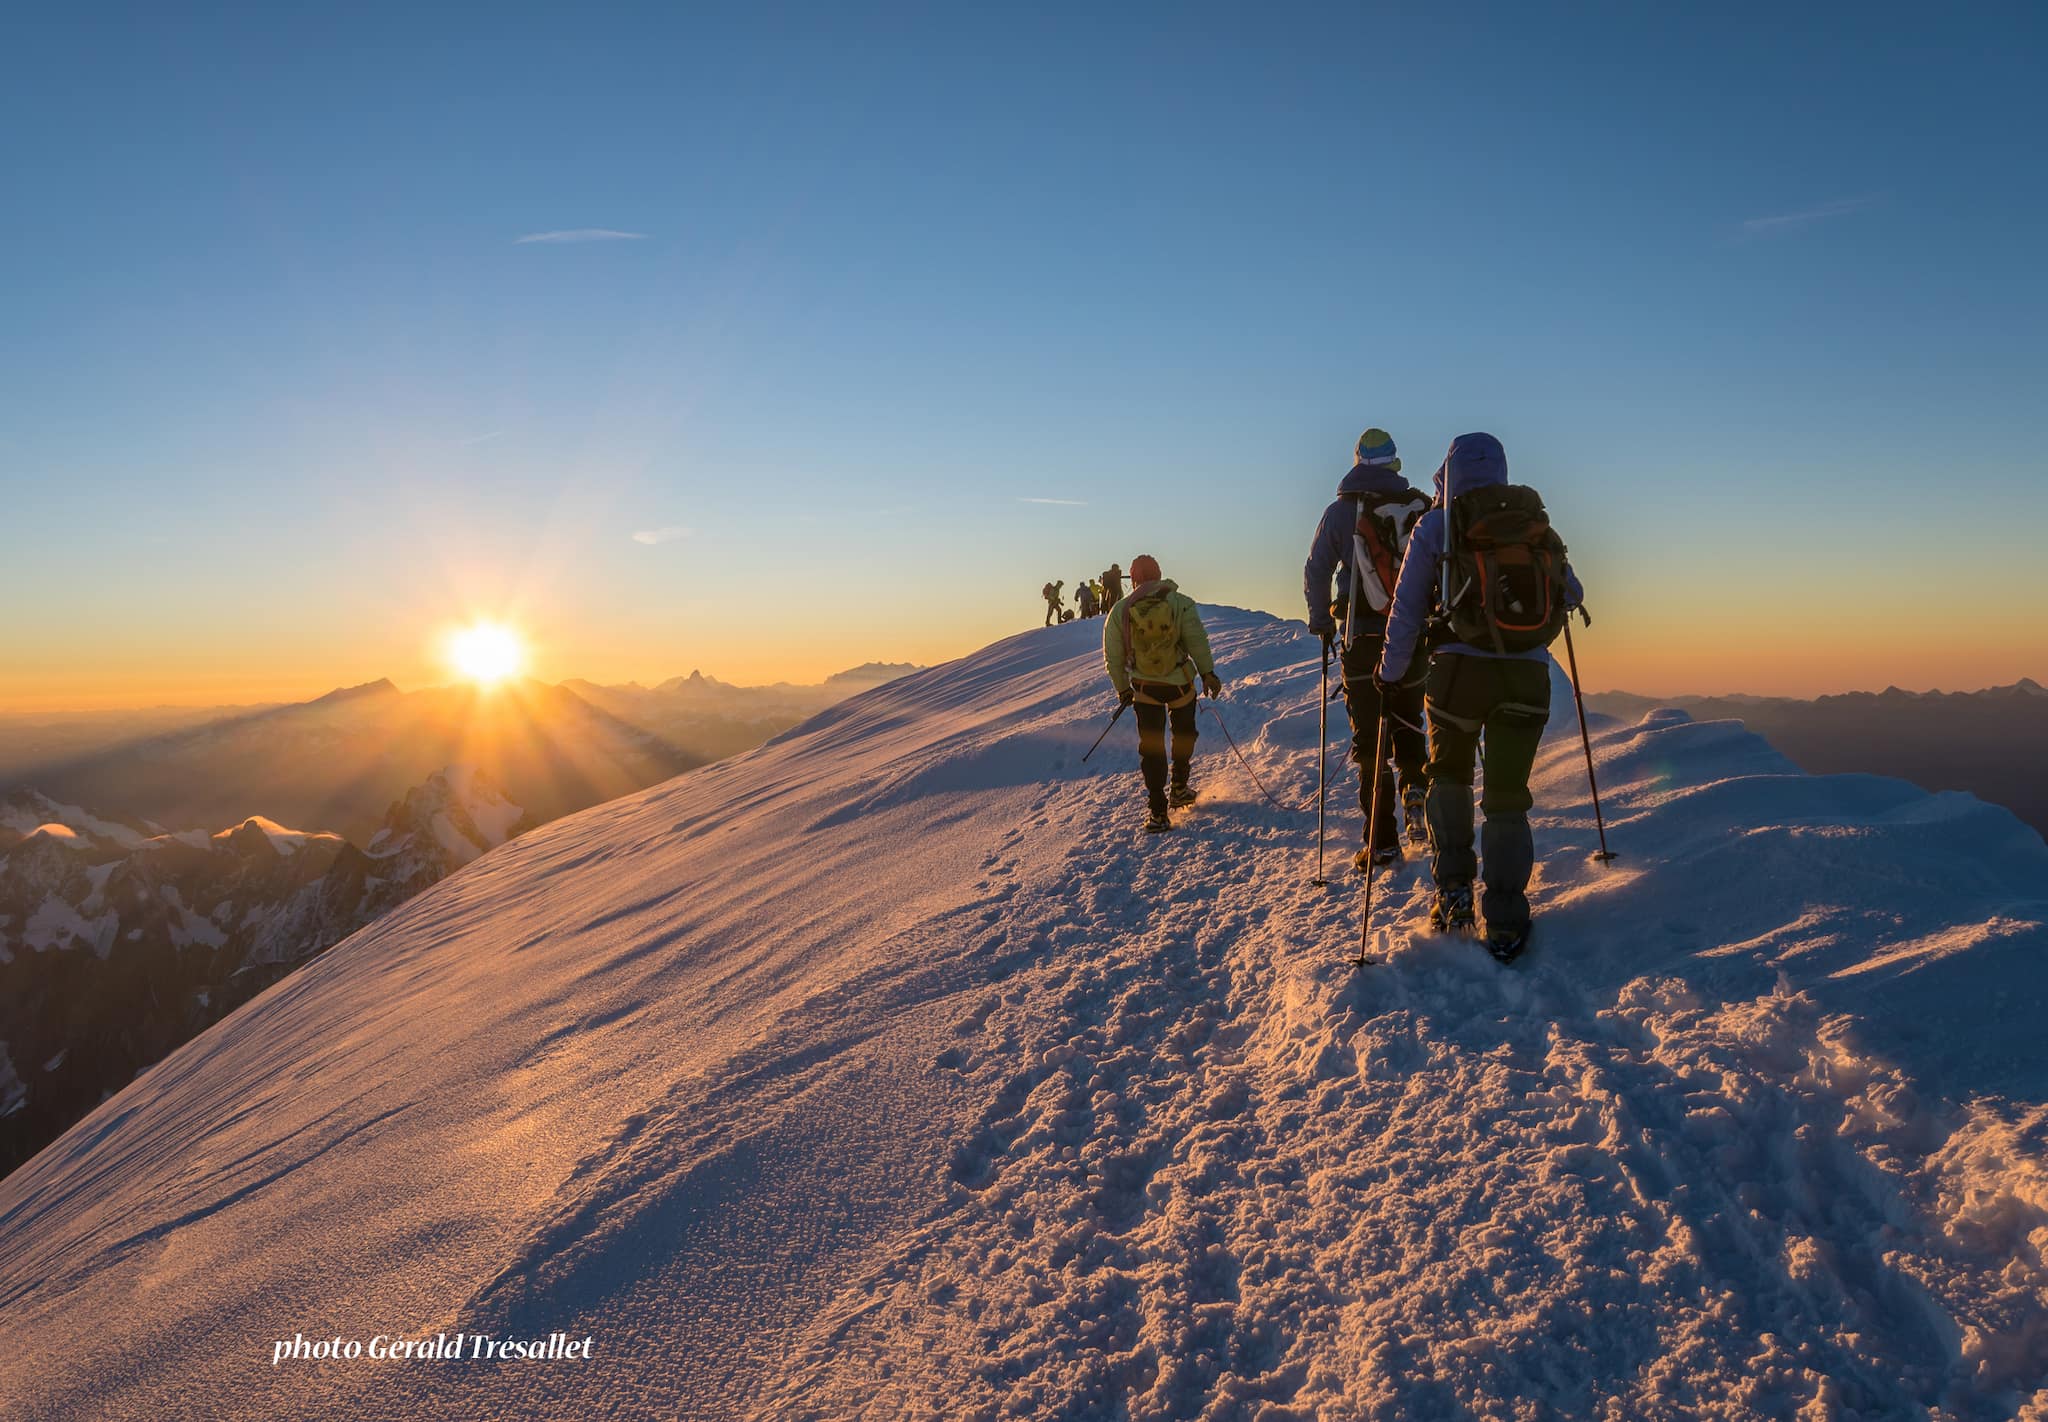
(1064, 503)
(1806, 217)
(584, 234)
(481, 439)
(667, 533)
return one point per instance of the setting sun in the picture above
(486, 652)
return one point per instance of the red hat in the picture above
(1144, 569)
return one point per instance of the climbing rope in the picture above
(1232, 742)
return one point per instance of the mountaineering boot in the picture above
(1452, 911)
(1158, 823)
(1414, 814)
(1181, 795)
(1376, 858)
(1506, 944)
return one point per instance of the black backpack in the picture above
(1504, 571)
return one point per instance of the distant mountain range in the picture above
(715, 719)
(1986, 742)
(337, 762)
(119, 940)
(130, 922)
(34, 738)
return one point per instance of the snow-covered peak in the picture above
(888, 1071)
(460, 810)
(62, 833)
(284, 841)
(27, 812)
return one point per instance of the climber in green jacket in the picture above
(1154, 645)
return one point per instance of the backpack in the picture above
(1378, 542)
(1152, 638)
(1047, 593)
(1504, 588)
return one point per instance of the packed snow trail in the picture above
(889, 1071)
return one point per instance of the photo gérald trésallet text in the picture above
(442, 1347)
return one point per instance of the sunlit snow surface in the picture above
(889, 1072)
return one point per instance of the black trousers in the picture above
(1405, 734)
(1152, 723)
(1505, 703)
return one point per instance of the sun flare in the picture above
(486, 652)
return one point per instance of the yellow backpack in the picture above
(1152, 638)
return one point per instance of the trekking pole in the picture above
(1105, 732)
(1605, 855)
(1322, 763)
(1379, 758)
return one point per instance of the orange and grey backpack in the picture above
(1378, 542)
(1504, 587)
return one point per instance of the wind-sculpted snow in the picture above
(888, 1072)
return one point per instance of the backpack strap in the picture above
(1351, 588)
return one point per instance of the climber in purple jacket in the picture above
(1472, 693)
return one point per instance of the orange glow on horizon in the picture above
(1630, 647)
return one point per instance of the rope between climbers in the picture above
(1231, 740)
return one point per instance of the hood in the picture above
(1474, 461)
(1372, 479)
(1153, 589)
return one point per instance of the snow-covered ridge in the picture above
(460, 813)
(28, 812)
(284, 841)
(888, 1072)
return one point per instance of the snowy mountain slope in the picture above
(1960, 740)
(886, 1071)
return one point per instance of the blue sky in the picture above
(1753, 298)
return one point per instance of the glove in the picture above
(1213, 684)
(1123, 698)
